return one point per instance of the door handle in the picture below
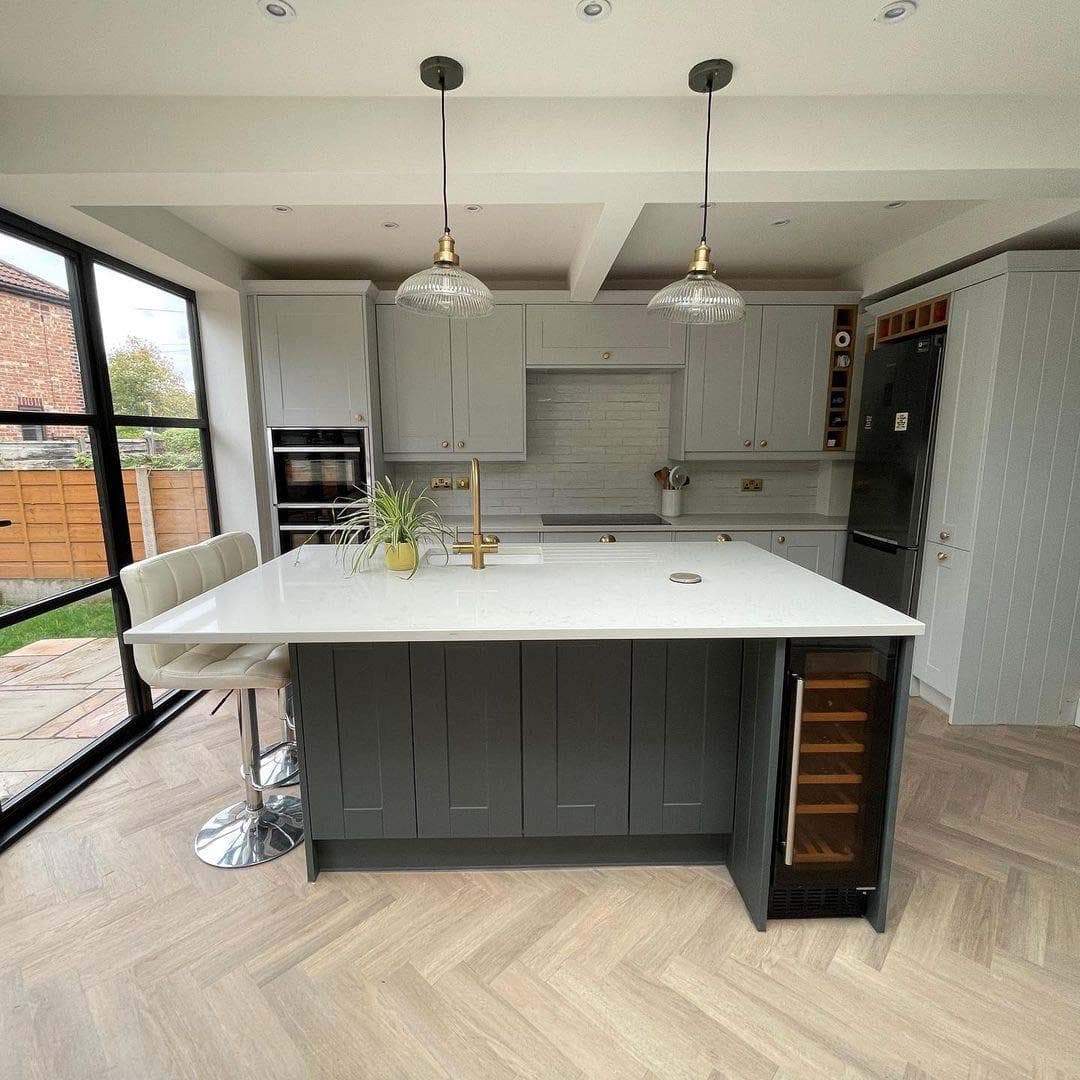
(793, 780)
(608, 538)
(944, 534)
(942, 556)
(724, 537)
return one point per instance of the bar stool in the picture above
(257, 829)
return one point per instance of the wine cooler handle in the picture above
(793, 783)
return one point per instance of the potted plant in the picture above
(398, 519)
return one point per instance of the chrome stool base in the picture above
(279, 766)
(241, 836)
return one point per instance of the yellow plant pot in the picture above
(400, 556)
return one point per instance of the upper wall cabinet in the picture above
(601, 336)
(452, 389)
(756, 386)
(314, 354)
(793, 378)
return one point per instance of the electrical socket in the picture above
(462, 483)
(440, 483)
(751, 485)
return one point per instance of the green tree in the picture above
(145, 383)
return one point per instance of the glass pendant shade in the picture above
(700, 298)
(447, 291)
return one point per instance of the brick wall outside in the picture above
(38, 360)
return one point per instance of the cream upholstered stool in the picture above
(257, 829)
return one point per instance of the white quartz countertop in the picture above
(529, 592)
(683, 523)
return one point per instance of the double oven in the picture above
(316, 472)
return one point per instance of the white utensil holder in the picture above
(671, 502)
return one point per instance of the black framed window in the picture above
(105, 458)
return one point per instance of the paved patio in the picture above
(56, 696)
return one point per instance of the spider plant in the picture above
(396, 516)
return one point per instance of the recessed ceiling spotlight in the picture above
(782, 221)
(278, 10)
(593, 10)
(281, 208)
(474, 208)
(389, 224)
(895, 204)
(896, 12)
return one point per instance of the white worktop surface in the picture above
(683, 523)
(530, 592)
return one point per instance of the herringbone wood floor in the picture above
(123, 956)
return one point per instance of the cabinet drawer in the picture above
(601, 336)
(645, 536)
(758, 538)
(506, 536)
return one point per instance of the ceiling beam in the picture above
(599, 248)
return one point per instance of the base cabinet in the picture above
(943, 593)
(814, 550)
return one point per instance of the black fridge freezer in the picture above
(891, 480)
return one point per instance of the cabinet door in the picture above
(942, 604)
(684, 736)
(601, 335)
(967, 377)
(722, 385)
(576, 737)
(812, 549)
(758, 538)
(466, 716)
(793, 378)
(488, 374)
(414, 379)
(313, 360)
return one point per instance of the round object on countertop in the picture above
(685, 577)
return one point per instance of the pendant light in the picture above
(444, 289)
(701, 297)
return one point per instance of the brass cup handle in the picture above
(723, 538)
(489, 538)
(781, 539)
(608, 538)
(944, 534)
(942, 556)
(446, 443)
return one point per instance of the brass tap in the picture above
(480, 545)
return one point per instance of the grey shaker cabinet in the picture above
(943, 590)
(313, 357)
(452, 389)
(715, 400)
(793, 377)
(414, 373)
(601, 336)
(813, 549)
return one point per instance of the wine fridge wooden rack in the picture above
(830, 791)
(841, 376)
(929, 315)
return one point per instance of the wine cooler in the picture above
(839, 698)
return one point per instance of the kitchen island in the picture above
(570, 705)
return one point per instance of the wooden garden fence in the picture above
(56, 522)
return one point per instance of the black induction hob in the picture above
(602, 520)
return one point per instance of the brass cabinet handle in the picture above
(942, 556)
(605, 356)
(781, 539)
(445, 443)
(764, 442)
(490, 538)
(723, 538)
(944, 534)
(359, 417)
(748, 442)
(608, 538)
(461, 446)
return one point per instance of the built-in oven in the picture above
(316, 473)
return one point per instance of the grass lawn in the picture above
(84, 618)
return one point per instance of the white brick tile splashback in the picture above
(594, 441)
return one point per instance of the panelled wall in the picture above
(1020, 656)
(594, 441)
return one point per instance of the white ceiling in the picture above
(507, 242)
(822, 240)
(538, 47)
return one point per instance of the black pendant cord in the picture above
(705, 205)
(442, 110)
